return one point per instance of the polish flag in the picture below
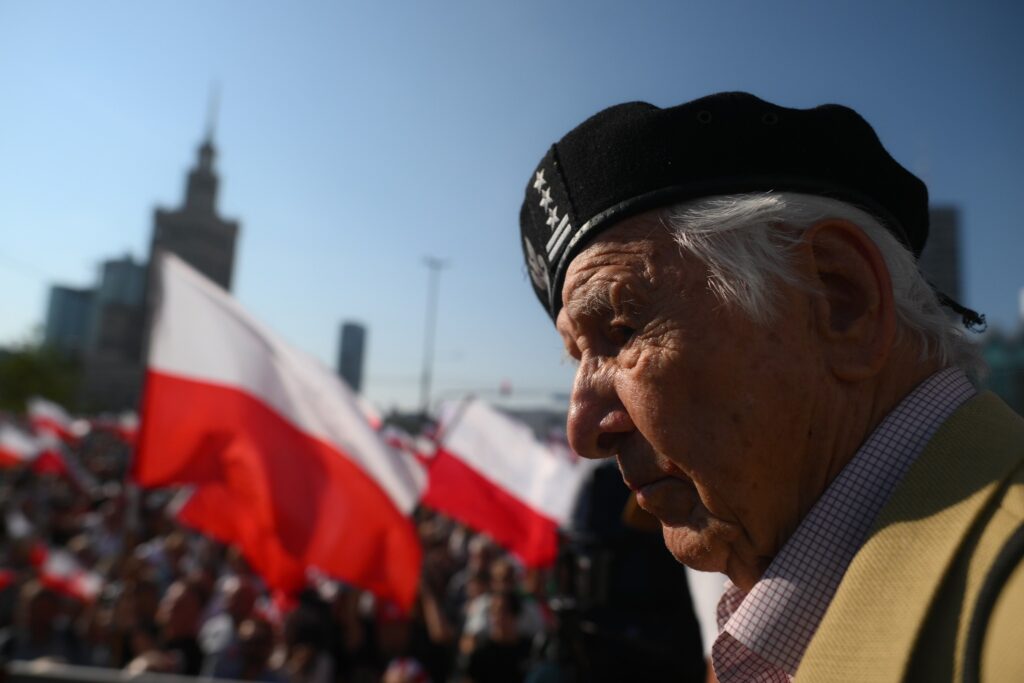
(61, 571)
(369, 411)
(55, 458)
(16, 447)
(283, 461)
(45, 454)
(491, 473)
(419, 448)
(124, 426)
(48, 417)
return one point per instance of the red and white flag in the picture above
(491, 473)
(61, 571)
(48, 417)
(44, 453)
(54, 458)
(283, 461)
(17, 447)
(124, 426)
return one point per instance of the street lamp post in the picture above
(435, 265)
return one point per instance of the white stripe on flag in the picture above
(247, 356)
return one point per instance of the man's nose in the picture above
(598, 420)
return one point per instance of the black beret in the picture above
(633, 157)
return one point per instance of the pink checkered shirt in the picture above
(763, 634)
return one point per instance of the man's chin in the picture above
(695, 548)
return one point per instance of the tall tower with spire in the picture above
(195, 231)
(114, 362)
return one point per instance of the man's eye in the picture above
(620, 334)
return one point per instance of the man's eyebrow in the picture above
(593, 300)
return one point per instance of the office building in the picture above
(350, 354)
(68, 319)
(940, 260)
(117, 309)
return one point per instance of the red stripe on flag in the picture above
(288, 499)
(51, 461)
(9, 458)
(458, 490)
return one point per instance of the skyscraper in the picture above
(350, 355)
(116, 327)
(115, 363)
(68, 319)
(940, 260)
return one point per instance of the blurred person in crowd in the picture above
(307, 639)
(502, 653)
(432, 636)
(40, 630)
(134, 628)
(349, 632)
(17, 559)
(390, 633)
(165, 554)
(479, 555)
(204, 581)
(97, 634)
(477, 585)
(177, 619)
(82, 547)
(782, 388)
(405, 670)
(504, 577)
(105, 526)
(255, 643)
(219, 635)
(66, 510)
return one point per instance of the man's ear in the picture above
(855, 315)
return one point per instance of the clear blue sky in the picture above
(356, 137)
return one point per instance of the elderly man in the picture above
(781, 388)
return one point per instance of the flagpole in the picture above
(434, 265)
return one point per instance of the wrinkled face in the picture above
(708, 414)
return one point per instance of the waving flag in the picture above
(54, 458)
(124, 426)
(44, 453)
(48, 417)
(283, 461)
(61, 571)
(491, 473)
(16, 447)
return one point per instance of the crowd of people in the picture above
(141, 592)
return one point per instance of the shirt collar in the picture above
(777, 619)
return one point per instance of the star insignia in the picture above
(545, 197)
(539, 181)
(552, 218)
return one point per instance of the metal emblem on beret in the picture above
(538, 270)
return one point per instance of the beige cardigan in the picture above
(902, 611)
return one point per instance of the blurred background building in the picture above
(68, 319)
(103, 327)
(941, 258)
(116, 324)
(350, 354)
(1004, 355)
(194, 231)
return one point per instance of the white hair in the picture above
(745, 241)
